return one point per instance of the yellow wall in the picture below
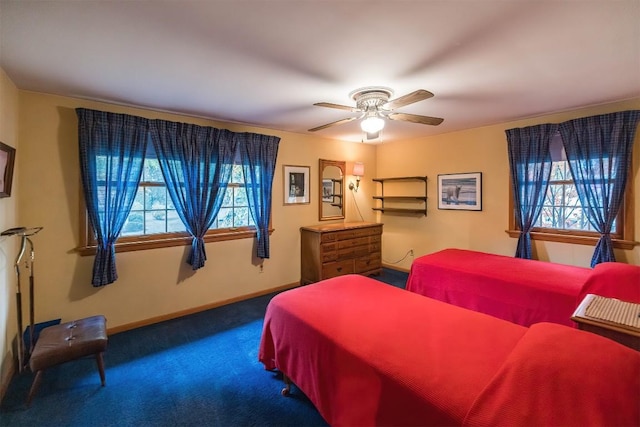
(8, 215)
(478, 150)
(153, 282)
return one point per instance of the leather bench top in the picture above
(68, 341)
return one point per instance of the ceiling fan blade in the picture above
(338, 122)
(338, 106)
(414, 118)
(410, 98)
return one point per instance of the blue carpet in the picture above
(200, 370)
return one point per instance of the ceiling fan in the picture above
(372, 102)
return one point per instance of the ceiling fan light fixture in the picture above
(372, 124)
(374, 105)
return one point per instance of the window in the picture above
(152, 211)
(234, 212)
(561, 209)
(154, 222)
(562, 218)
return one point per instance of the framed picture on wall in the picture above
(460, 191)
(7, 159)
(296, 185)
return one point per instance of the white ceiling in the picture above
(265, 62)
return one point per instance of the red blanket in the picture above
(366, 353)
(614, 280)
(519, 290)
(558, 376)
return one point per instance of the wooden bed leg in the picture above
(287, 385)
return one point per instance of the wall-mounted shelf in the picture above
(336, 197)
(420, 199)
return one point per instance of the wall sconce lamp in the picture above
(358, 172)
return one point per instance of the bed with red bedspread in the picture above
(519, 290)
(366, 353)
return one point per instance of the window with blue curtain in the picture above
(587, 186)
(156, 205)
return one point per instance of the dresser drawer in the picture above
(329, 256)
(333, 269)
(328, 247)
(346, 253)
(352, 252)
(345, 235)
(338, 235)
(371, 231)
(328, 252)
(368, 263)
(359, 251)
(329, 237)
(362, 241)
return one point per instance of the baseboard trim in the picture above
(9, 365)
(194, 310)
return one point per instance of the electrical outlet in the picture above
(411, 252)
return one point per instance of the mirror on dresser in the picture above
(331, 189)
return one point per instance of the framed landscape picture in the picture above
(296, 185)
(461, 191)
(7, 159)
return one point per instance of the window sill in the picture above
(180, 240)
(572, 238)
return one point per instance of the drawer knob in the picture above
(339, 269)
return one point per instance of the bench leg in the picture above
(100, 361)
(34, 387)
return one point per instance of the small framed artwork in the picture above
(296, 185)
(7, 159)
(327, 190)
(460, 191)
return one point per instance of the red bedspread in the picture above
(519, 290)
(366, 353)
(557, 376)
(614, 280)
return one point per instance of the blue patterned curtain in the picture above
(530, 164)
(599, 152)
(112, 148)
(258, 155)
(196, 163)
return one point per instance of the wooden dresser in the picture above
(330, 250)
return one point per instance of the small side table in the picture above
(611, 318)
